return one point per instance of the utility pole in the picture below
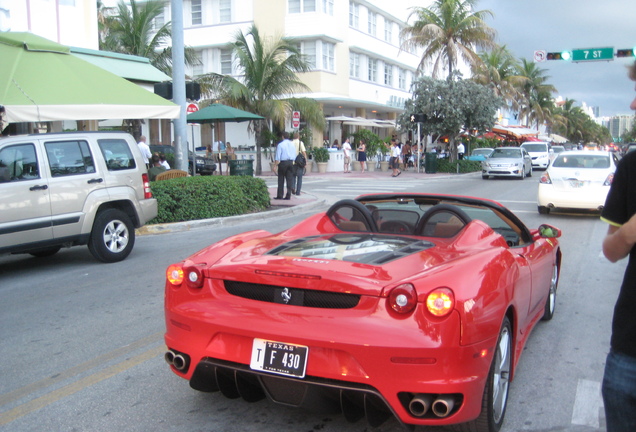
(178, 86)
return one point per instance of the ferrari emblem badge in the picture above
(286, 295)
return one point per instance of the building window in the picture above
(327, 7)
(388, 30)
(354, 65)
(197, 17)
(388, 74)
(159, 20)
(197, 68)
(225, 11)
(373, 70)
(328, 57)
(354, 15)
(308, 50)
(402, 79)
(373, 22)
(226, 61)
(300, 6)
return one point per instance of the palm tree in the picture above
(448, 30)
(498, 70)
(131, 30)
(268, 69)
(536, 104)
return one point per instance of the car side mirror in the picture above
(548, 231)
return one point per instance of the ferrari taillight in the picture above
(440, 302)
(146, 182)
(403, 298)
(545, 178)
(194, 277)
(175, 274)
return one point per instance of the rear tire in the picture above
(543, 210)
(550, 303)
(530, 172)
(113, 236)
(495, 397)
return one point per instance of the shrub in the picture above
(204, 197)
(465, 166)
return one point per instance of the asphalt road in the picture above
(83, 349)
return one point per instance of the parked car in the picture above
(68, 189)
(205, 165)
(507, 162)
(577, 180)
(362, 308)
(479, 154)
(539, 152)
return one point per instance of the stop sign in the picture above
(296, 119)
(192, 108)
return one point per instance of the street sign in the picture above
(539, 56)
(192, 108)
(593, 54)
(296, 119)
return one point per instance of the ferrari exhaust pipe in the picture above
(420, 404)
(179, 363)
(443, 405)
(176, 360)
(169, 357)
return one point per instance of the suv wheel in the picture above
(113, 236)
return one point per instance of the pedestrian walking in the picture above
(619, 379)
(346, 148)
(298, 171)
(394, 160)
(285, 155)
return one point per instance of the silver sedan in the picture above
(507, 162)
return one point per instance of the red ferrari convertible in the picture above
(412, 305)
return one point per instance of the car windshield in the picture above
(505, 153)
(581, 161)
(481, 152)
(536, 147)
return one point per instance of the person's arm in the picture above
(620, 240)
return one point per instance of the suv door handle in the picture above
(97, 180)
(39, 187)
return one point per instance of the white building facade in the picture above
(358, 69)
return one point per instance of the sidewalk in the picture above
(297, 204)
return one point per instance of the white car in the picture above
(539, 152)
(507, 162)
(577, 180)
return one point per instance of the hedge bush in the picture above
(204, 197)
(465, 166)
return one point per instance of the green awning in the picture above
(41, 81)
(133, 68)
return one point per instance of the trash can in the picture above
(241, 167)
(430, 163)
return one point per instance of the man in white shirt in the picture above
(144, 149)
(346, 148)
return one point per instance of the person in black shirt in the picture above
(619, 380)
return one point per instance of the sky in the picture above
(525, 26)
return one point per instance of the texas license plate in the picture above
(279, 358)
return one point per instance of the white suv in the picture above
(67, 189)
(540, 152)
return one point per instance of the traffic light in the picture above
(563, 55)
(418, 118)
(629, 52)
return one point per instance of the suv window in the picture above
(69, 158)
(18, 162)
(117, 154)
